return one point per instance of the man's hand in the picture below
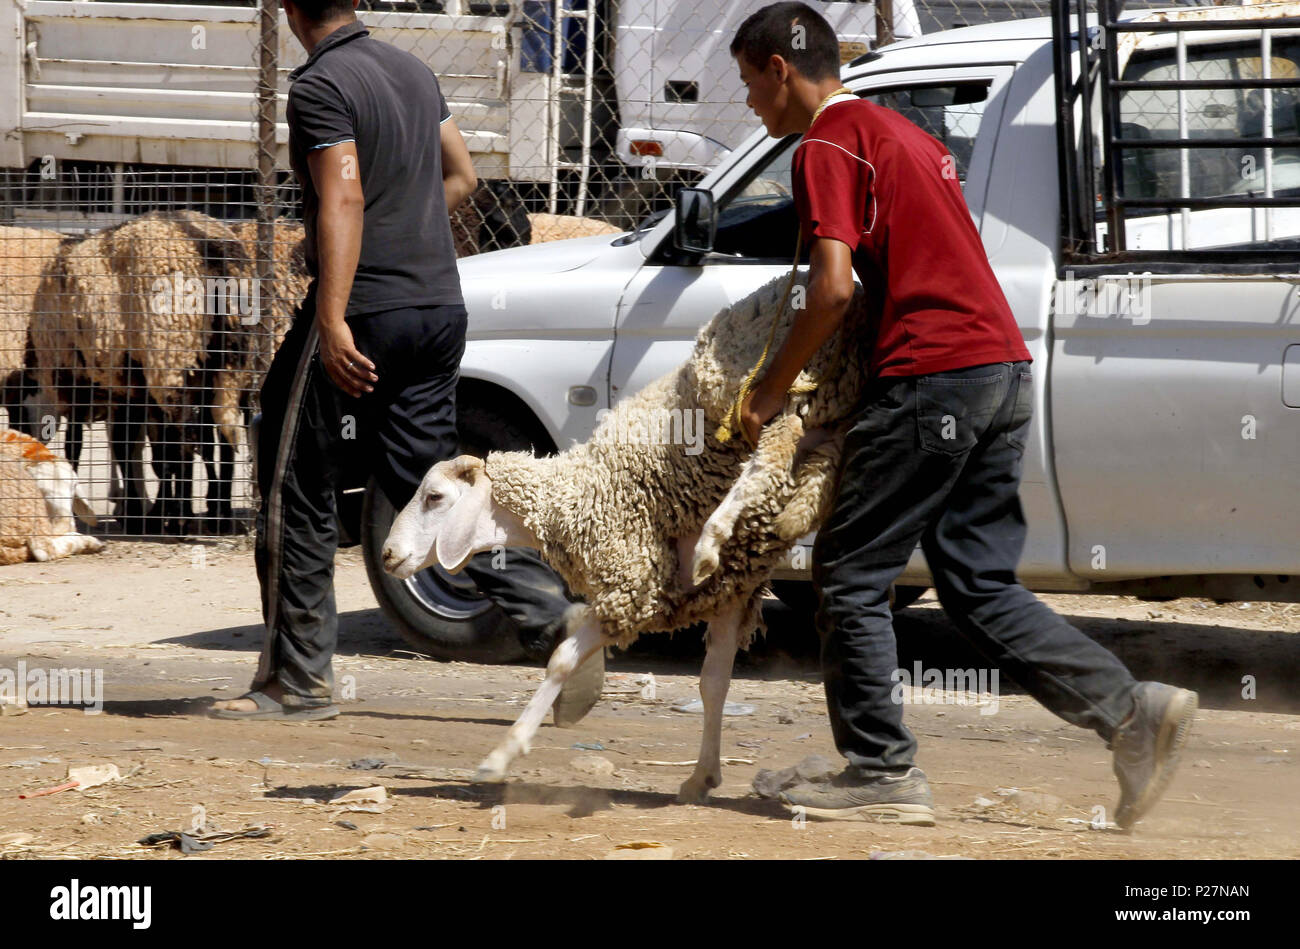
(758, 409)
(347, 368)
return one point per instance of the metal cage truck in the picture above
(596, 101)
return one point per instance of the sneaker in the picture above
(887, 798)
(1147, 746)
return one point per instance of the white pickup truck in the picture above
(1165, 452)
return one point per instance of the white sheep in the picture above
(39, 501)
(654, 533)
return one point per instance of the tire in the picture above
(437, 613)
(800, 596)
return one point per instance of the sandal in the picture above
(269, 710)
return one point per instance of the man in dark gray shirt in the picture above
(368, 369)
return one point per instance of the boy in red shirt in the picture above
(934, 455)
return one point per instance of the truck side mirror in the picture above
(696, 224)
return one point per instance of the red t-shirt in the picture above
(866, 176)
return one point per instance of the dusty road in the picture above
(172, 631)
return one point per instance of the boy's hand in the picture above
(346, 367)
(758, 409)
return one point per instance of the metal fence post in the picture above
(884, 22)
(267, 82)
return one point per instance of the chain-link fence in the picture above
(149, 257)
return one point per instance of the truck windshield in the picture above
(759, 219)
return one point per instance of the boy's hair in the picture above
(322, 11)
(773, 31)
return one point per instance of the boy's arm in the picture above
(830, 290)
(831, 191)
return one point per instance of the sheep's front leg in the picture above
(583, 637)
(778, 445)
(715, 679)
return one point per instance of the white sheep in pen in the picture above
(39, 499)
(653, 535)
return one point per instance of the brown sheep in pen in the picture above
(24, 254)
(562, 227)
(148, 316)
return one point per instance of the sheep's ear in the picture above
(455, 542)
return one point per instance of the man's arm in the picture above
(458, 178)
(336, 176)
(830, 291)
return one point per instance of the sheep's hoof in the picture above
(695, 790)
(704, 564)
(489, 772)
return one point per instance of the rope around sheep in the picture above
(731, 422)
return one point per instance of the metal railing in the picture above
(1103, 47)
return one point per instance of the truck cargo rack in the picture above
(1103, 44)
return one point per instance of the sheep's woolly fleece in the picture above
(24, 254)
(607, 513)
(100, 302)
(22, 512)
(98, 313)
(563, 227)
(34, 526)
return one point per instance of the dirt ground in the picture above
(175, 627)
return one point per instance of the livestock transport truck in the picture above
(1144, 224)
(598, 114)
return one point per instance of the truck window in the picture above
(759, 219)
(950, 113)
(1210, 113)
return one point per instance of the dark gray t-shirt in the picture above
(356, 89)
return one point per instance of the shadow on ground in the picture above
(1216, 661)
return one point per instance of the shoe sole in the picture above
(917, 815)
(580, 692)
(303, 715)
(1174, 729)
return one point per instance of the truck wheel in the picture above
(439, 613)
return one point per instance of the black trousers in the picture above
(312, 432)
(937, 460)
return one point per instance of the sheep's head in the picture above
(450, 519)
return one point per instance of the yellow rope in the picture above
(731, 422)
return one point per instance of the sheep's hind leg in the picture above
(715, 679)
(583, 637)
